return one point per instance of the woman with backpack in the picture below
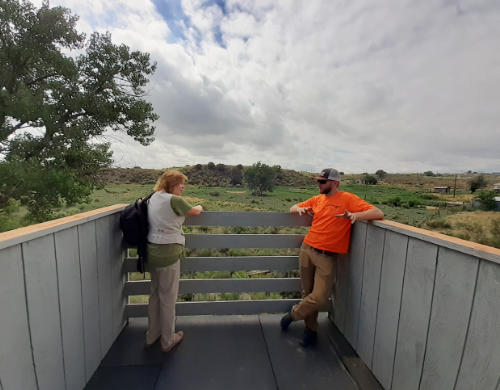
(166, 213)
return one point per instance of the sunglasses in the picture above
(322, 181)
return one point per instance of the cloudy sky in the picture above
(399, 85)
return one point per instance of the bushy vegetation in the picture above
(487, 199)
(260, 178)
(477, 183)
(369, 179)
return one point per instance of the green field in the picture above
(398, 204)
(414, 207)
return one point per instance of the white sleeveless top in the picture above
(165, 226)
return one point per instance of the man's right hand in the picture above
(300, 210)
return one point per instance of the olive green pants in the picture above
(317, 278)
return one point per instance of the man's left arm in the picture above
(367, 215)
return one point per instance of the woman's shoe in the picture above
(177, 339)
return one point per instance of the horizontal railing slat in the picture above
(233, 263)
(220, 307)
(220, 285)
(219, 218)
(199, 241)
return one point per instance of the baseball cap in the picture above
(329, 174)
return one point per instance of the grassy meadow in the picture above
(409, 203)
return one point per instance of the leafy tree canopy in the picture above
(260, 178)
(477, 183)
(369, 179)
(381, 173)
(55, 108)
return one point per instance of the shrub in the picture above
(429, 173)
(487, 199)
(413, 202)
(236, 175)
(429, 196)
(369, 179)
(439, 224)
(381, 173)
(396, 201)
(477, 183)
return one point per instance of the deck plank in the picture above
(296, 367)
(219, 352)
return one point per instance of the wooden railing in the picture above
(235, 263)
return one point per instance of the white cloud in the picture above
(399, 86)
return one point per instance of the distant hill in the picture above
(201, 174)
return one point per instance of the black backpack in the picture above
(135, 227)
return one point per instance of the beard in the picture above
(325, 189)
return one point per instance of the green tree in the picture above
(369, 179)
(381, 174)
(260, 178)
(55, 108)
(487, 199)
(236, 175)
(429, 173)
(477, 183)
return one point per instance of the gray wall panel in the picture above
(118, 276)
(70, 297)
(44, 315)
(453, 292)
(480, 368)
(355, 282)
(369, 297)
(391, 285)
(415, 312)
(341, 292)
(90, 298)
(16, 360)
(104, 254)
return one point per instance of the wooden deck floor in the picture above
(233, 352)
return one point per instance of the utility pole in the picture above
(455, 186)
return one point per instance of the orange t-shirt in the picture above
(327, 231)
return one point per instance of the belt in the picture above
(322, 251)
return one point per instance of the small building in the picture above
(442, 190)
(496, 187)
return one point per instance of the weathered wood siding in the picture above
(61, 300)
(421, 309)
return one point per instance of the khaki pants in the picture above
(317, 277)
(161, 308)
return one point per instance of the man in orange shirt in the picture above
(334, 212)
